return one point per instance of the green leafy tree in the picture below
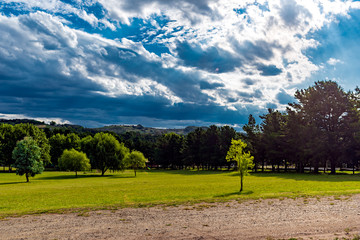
(109, 153)
(74, 160)
(59, 142)
(194, 145)
(29, 130)
(10, 135)
(169, 149)
(87, 145)
(212, 152)
(252, 137)
(7, 144)
(27, 156)
(328, 109)
(273, 127)
(135, 160)
(243, 159)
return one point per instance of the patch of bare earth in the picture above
(302, 218)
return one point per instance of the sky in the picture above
(170, 63)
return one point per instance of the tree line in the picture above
(320, 129)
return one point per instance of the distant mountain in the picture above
(118, 129)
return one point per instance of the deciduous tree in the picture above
(27, 156)
(135, 160)
(243, 159)
(74, 160)
(109, 153)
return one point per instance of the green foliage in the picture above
(74, 160)
(243, 159)
(28, 130)
(27, 156)
(7, 144)
(10, 135)
(273, 137)
(60, 142)
(108, 153)
(57, 143)
(169, 149)
(135, 160)
(330, 113)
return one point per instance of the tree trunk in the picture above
(333, 170)
(353, 168)
(75, 173)
(316, 167)
(27, 177)
(263, 166)
(241, 182)
(135, 172)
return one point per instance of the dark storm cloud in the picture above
(249, 81)
(207, 85)
(250, 51)
(44, 82)
(106, 110)
(292, 13)
(212, 59)
(183, 85)
(268, 70)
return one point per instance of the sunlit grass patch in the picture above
(58, 191)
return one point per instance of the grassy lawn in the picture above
(52, 191)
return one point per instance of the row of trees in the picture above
(204, 148)
(30, 154)
(320, 130)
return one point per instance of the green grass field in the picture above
(56, 191)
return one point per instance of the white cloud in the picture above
(333, 61)
(265, 42)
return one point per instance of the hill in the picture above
(118, 129)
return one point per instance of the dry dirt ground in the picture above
(302, 218)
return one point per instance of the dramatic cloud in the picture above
(169, 63)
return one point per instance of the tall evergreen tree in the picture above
(326, 108)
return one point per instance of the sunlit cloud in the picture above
(87, 61)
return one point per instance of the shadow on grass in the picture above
(234, 194)
(10, 183)
(61, 177)
(341, 177)
(189, 172)
(121, 176)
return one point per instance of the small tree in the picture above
(244, 159)
(27, 156)
(74, 161)
(135, 160)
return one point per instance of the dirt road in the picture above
(322, 218)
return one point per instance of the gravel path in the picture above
(313, 218)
